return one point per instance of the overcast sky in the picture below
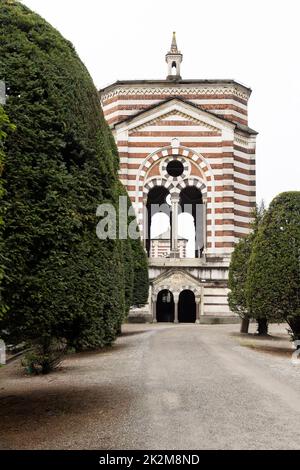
(255, 42)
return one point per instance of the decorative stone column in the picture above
(202, 302)
(174, 236)
(154, 319)
(145, 223)
(198, 308)
(176, 299)
(204, 225)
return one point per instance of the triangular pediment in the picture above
(174, 109)
(175, 117)
(176, 280)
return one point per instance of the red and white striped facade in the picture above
(205, 124)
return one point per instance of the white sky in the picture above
(255, 42)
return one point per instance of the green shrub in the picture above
(44, 357)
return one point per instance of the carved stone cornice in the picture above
(174, 90)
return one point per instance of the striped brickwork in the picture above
(204, 125)
(228, 101)
(218, 158)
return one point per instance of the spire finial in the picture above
(174, 59)
(174, 43)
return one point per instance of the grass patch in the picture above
(269, 349)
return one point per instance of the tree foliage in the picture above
(273, 282)
(237, 277)
(137, 278)
(5, 128)
(140, 278)
(60, 280)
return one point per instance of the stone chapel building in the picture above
(186, 143)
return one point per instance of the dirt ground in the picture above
(161, 386)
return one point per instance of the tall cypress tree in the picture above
(5, 128)
(60, 280)
(273, 282)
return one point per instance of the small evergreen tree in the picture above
(273, 282)
(137, 280)
(237, 277)
(141, 278)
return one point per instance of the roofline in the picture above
(158, 237)
(176, 82)
(240, 127)
(167, 239)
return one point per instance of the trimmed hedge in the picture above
(60, 280)
(5, 128)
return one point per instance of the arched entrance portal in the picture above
(187, 307)
(165, 306)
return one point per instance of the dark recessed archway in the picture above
(187, 307)
(156, 202)
(191, 202)
(165, 306)
(190, 195)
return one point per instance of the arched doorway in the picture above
(187, 307)
(165, 306)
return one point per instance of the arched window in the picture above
(174, 68)
(158, 213)
(186, 235)
(191, 203)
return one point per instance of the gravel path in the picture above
(160, 386)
